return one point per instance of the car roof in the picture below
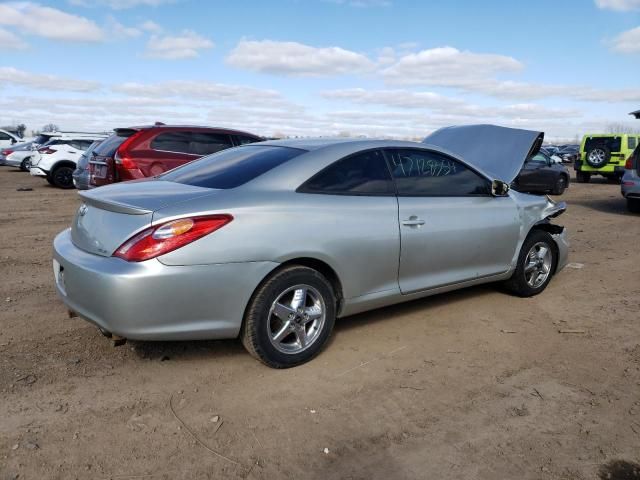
(312, 144)
(174, 127)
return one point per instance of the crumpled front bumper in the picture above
(562, 242)
(38, 172)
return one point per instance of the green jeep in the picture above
(604, 154)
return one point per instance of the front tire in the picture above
(290, 317)
(560, 186)
(62, 177)
(536, 264)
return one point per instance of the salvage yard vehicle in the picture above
(57, 159)
(8, 139)
(630, 185)
(81, 173)
(140, 152)
(17, 156)
(273, 241)
(540, 174)
(604, 154)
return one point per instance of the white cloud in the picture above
(151, 26)
(619, 5)
(627, 42)
(20, 78)
(47, 22)
(393, 98)
(202, 90)
(448, 67)
(297, 59)
(118, 30)
(121, 4)
(174, 47)
(11, 41)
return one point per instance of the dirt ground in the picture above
(474, 384)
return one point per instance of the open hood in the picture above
(500, 152)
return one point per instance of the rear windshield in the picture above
(231, 168)
(41, 139)
(110, 145)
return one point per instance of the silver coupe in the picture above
(273, 241)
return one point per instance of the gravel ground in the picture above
(471, 384)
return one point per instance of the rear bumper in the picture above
(152, 301)
(12, 162)
(630, 185)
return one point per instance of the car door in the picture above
(534, 175)
(451, 228)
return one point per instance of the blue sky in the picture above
(322, 67)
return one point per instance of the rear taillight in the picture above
(122, 157)
(7, 152)
(169, 236)
(46, 150)
(629, 163)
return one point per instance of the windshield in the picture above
(109, 146)
(231, 168)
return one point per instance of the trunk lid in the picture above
(499, 152)
(112, 214)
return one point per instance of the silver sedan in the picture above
(273, 241)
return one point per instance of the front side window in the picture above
(231, 168)
(208, 143)
(178, 142)
(361, 174)
(428, 173)
(4, 136)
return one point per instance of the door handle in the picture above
(413, 221)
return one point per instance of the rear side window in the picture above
(426, 173)
(108, 147)
(632, 142)
(172, 142)
(231, 168)
(208, 143)
(361, 174)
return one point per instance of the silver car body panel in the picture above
(500, 152)
(202, 289)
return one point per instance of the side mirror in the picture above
(499, 188)
(13, 141)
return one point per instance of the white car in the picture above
(8, 139)
(57, 159)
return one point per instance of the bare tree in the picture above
(621, 128)
(50, 127)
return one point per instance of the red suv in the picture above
(139, 152)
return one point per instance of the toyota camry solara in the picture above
(273, 241)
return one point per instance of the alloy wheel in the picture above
(296, 319)
(538, 264)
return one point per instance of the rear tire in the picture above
(535, 265)
(62, 177)
(284, 327)
(25, 164)
(633, 205)
(583, 177)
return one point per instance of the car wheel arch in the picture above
(316, 264)
(551, 229)
(63, 163)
